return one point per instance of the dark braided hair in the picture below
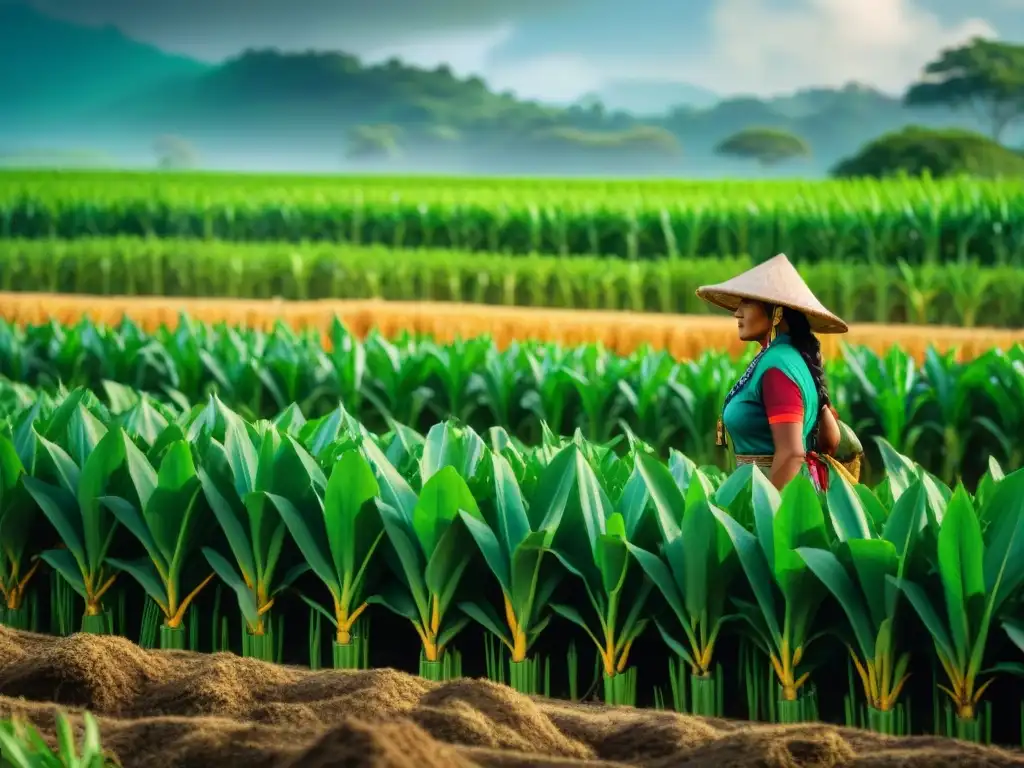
(807, 344)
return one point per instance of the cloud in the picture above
(466, 53)
(551, 77)
(757, 47)
(736, 46)
(556, 77)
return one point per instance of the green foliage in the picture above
(607, 528)
(864, 220)
(639, 140)
(946, 414)
(985, 74)
(917, 151)
(766, 145)
(22, 746)
(373, 142)
(964, 293)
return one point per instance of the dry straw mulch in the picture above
(684, 336)
(182, 710)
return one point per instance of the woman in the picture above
(779, 415)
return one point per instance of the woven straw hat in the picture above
(775, 282)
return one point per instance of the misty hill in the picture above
(95, 89)
(53, 70)
(651, 97)
(324, 92)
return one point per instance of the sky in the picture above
(558, 50)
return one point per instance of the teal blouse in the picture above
(744, 416)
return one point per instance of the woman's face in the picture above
(752, 321)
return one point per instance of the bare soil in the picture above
(177, 709)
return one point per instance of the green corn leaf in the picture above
(348, 515)
(960, 553)
(669, 503)
(765, 501)
(483, 613)
(830, 571)
(874, 561)
(143, 572)
(60, 508)
(301, 524)
(919, 600)
(227, 574)
(512, 523)
(230, 522)
(411, 559)
(107, 457)
(129, 517)
(755, 565)
(850, 520)
(62, 561)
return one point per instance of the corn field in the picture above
(685, 337)
(949, 416)
(921, 221)
(195, 528)
(961, 294)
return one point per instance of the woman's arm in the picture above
(789, 452)
(784, 406)
(828, 432)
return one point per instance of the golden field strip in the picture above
(683, 336)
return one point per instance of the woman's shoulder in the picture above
(782, 357)
(780, 354)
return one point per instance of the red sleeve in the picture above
(782, 399)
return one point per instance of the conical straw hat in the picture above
(774, 282)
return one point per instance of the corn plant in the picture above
(513, 546)
(73, 507)
(167, 523)
(783, 524)
(338, 536)
(857, 571)
(238, 479)
(592, 545)
(978, 572)
(17, 514)
(695, 574)
(430, 548)
(869, 222)
(970, 405)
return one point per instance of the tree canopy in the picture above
(986, 76)
(373, 142)
(175, 153)
(916, 150)
(766, 145)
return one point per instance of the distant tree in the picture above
(915, 151)
(174, 153)
(640, 140)
(373, 142)
(986, 76)
(768, 146)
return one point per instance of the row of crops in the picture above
(946, 414)
(959, 294)
(918, 220)
(749, 599)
